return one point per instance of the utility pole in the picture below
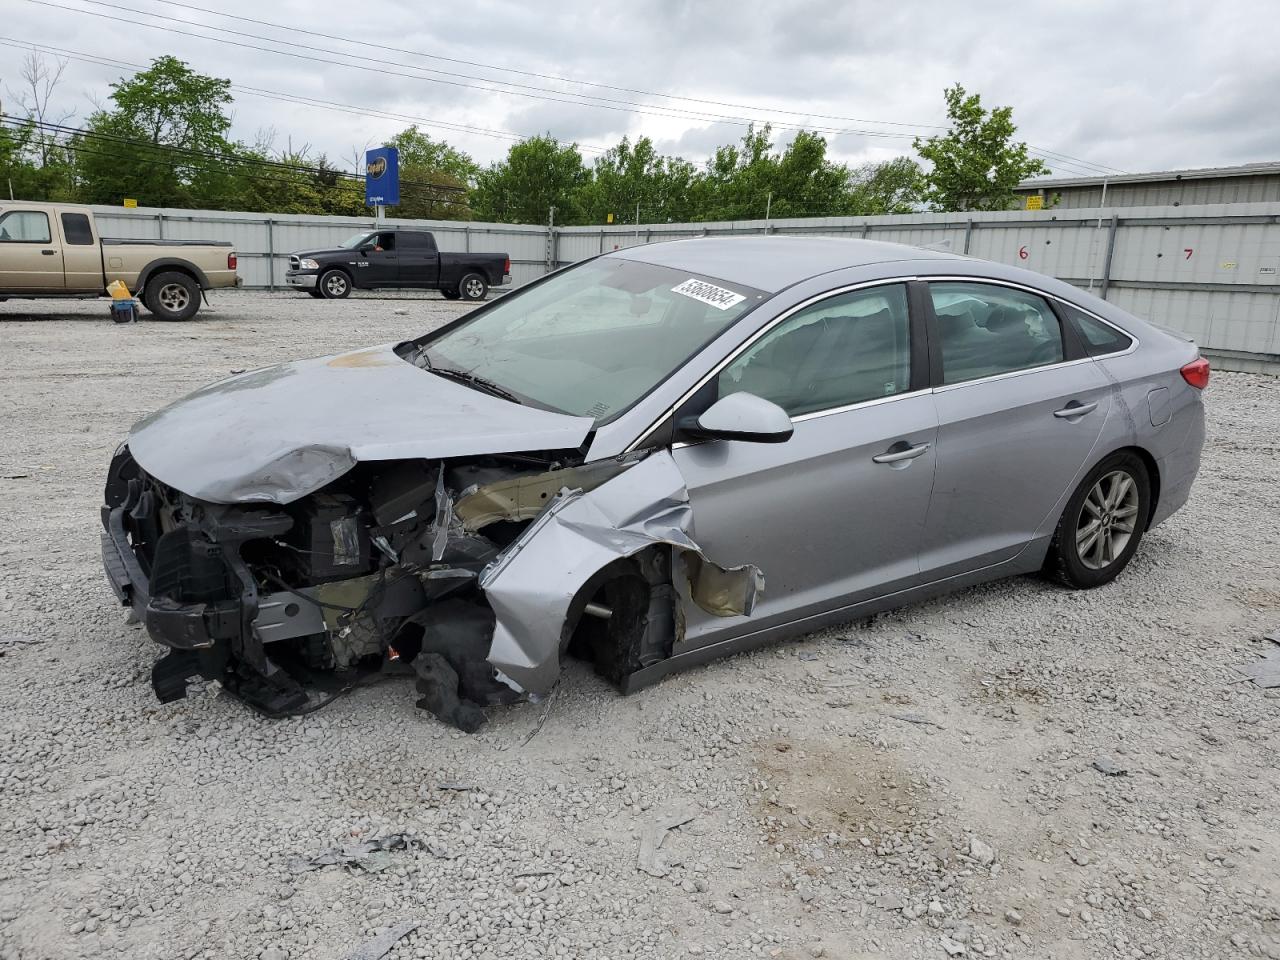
(768, 205)
(551, 234)
(637, 219)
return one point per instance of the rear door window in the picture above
(984, 330)
(75, 227)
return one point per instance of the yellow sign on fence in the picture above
(130, 202)
(1035, 202)
(609, 218)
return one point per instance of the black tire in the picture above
(316, 294)
(334, 285)
(451, 294)
(1084, 563)
(172, 296)
(473, 286)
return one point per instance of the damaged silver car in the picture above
(614, 461)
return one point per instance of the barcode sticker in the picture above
(708, 293)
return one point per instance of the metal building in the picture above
(1248, 183)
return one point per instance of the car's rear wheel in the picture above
(451, 294)
(335, 285)
(473, 287)
(1103, 523)
(172, 296)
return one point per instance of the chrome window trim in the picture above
(780, 318)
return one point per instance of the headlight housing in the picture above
(308, 264)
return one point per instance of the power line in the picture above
(668, 112)
(293, 28)
(297, 99)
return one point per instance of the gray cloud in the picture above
(1137, 87)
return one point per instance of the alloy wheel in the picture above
(1107, 519)
(173, 297)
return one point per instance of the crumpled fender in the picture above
(532, 585)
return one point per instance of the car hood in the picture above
(327, 252)
(277, 434)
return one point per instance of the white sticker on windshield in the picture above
(709, 293)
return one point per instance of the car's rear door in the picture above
(30, 252)
(835, 514)
(419, 260)
(1020, 409)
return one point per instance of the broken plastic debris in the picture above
(370, 856)
(653, 833)
(381, 945)
(1106, 765)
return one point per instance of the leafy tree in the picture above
(164, 142)
(33, 160)
(434, 177)
(976, 164)
(538, 174)
(878, 189)
(636, 174)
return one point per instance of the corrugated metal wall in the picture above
(1212, 272)
(1189, 191)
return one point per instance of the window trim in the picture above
(47, 225)
(716, 370)
(1050, 298)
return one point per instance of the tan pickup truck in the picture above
(55, 250)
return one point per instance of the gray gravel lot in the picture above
(914, 786)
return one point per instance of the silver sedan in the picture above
(648, 460)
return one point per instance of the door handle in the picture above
(48, 253)
(897, 456)
(1074, 409)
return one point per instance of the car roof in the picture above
(772, 263)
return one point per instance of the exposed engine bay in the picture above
(475, 575)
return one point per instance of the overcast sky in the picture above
(1134, 86)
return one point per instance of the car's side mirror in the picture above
(739, 416)
(365, 251)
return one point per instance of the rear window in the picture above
(1098, 338)
(75, 227)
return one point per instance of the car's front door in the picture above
(419, 261)
(382, 259)
(1019, 411)
(835, 514)
(30, 253)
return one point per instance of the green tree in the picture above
(434, 177)
(628, 175)
(976, 164)
(878, 189)
(537, 174)
(163, 143)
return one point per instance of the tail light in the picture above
(1196, 373)
(231, 261)
(506, 267)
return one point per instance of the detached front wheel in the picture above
(172, 296)
(1103, 523)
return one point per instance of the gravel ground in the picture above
(919, 785)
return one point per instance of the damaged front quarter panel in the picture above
(538, 588)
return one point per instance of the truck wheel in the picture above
(172, 296)
(473, 287)
(316, 294)
(335, 285)
(451, 294)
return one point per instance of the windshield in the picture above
(352, 242)
(593, 340)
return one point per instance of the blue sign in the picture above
(382, 177)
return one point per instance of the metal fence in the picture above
(1208, 271)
